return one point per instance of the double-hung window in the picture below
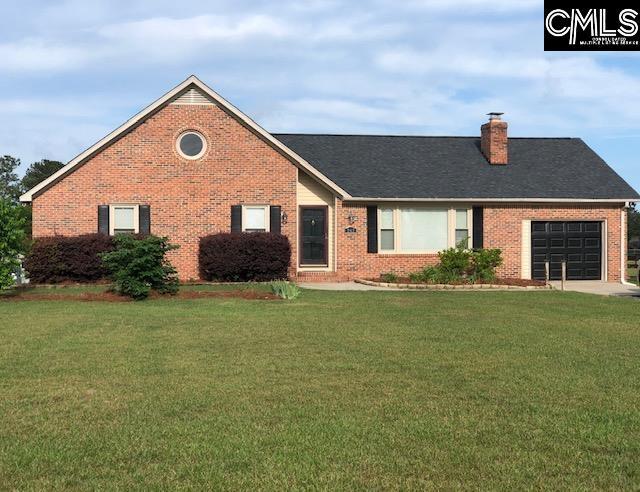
(387, 229)
(255, 218)
(420, 229)
(462, 226)
(124, 219)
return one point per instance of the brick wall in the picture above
(353, 260)
(189, 199)
(502, 229)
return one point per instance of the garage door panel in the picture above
(592, 227)
(592, 273)
(539, 227)
(577, 243)
(574, 226)
(539, 243)
(557, 242)
(592, 242)
(556, 226)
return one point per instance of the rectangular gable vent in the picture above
(193, 96)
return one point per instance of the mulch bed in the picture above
(518, 282)
(113, 297)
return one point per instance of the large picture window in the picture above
(423, 229)
(415, 229)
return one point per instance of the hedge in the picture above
(68, 259)
(241, 257)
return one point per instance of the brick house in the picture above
(191, 164)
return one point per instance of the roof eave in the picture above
(485, 200)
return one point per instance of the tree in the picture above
(38, 172)
(11, 241)
(10, 187)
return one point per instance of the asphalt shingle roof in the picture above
(453, 167)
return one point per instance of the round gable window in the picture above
(191, 145)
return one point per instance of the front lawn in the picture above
(336, 390)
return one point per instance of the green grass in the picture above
(632, 274)
(336, 390)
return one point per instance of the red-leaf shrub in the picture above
(68, 259)
(241, 257)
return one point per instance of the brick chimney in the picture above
(493, 139)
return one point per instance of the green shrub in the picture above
(284, 289)
(455, 261)
(389, 277)
(461, 265)
(11, 241)
(417, 277)
(484, 263)
(139, 265)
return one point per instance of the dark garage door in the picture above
(578, 243)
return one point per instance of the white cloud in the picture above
(464, 6)
(202, 28)
(39, 55)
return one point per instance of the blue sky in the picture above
(72, 71)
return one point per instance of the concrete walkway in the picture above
(342, 286)
(599, 287)
(584, 286)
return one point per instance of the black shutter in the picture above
(236, 218)
(103, 219)
(144, 219)
(478, 225)
(274, 219)
(372, 229)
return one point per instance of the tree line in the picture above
(11, 186)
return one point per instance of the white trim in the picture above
(155, 106)
(623, 247)
(112, 216)
(525, 250)
(267, 221)
(485, 200)
(604, 264)
(199, 154)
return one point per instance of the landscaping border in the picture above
(453, 286)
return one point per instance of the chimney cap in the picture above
(495, 115)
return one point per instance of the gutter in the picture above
(503, 200)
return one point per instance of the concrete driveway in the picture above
(599, 287)
(585, 286)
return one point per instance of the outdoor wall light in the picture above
(284, 218)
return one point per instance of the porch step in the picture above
(320, 277)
